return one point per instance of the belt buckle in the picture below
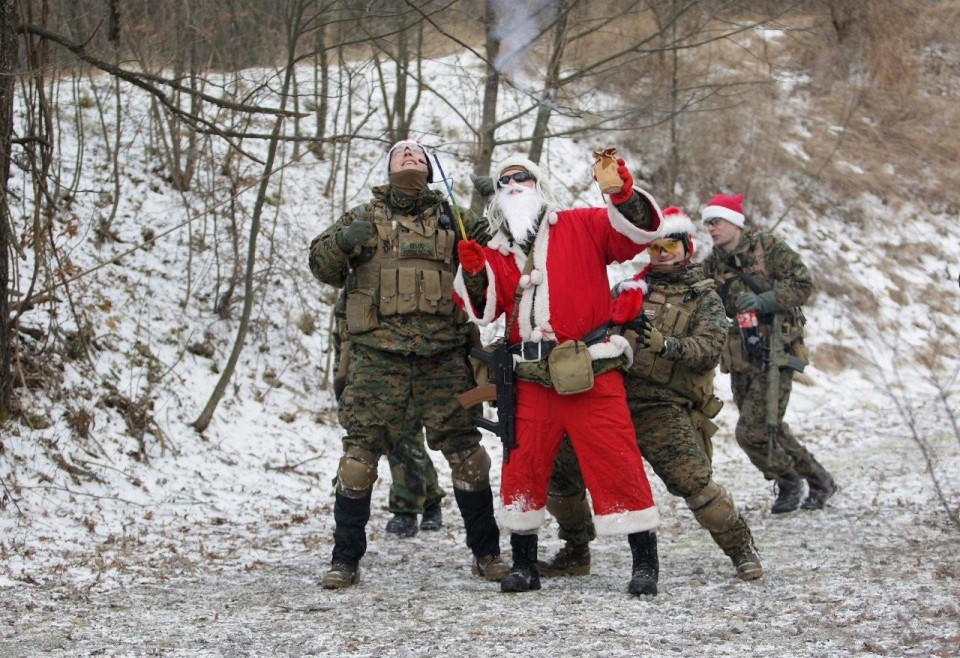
(527, 353)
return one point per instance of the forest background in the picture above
(165, 355)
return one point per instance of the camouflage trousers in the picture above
(772, 457)
(677, 450)
(413, 478)
(388, 395)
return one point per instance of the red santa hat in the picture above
(725, 206)
(519, 161)
(677, 225)
(414, 145)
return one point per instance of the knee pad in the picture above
(470, 469)
(713, 508)
(357, 472)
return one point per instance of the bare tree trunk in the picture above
(488, 117)
(551, 83)
(203, 421)
(9, 20)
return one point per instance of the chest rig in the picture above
(728, 274)
(669, 309)
(410, 270)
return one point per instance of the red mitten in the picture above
(627, 306)
(472, 257)
(626, 191)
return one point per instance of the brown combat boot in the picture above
(491, 567)
(571, 560)
(747, 562)
(340, 576)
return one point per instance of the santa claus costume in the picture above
(566, 296)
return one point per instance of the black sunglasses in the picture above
(519, 176)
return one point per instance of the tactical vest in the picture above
(669, 309)
(411, 270)
(758, 268)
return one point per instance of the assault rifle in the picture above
(502, 392)
(775, 356)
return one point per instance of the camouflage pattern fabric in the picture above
(772, 458)
(413, 478)
(783, 271)
(385, 391)
(698, 351)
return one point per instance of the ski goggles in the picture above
(518, 176)
(664, 246)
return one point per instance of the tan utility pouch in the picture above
(732, 358)
(571, 367)
(712, 407)
(361, 312)
(406, 290)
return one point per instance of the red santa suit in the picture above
(565, 297)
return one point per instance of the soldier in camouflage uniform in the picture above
(396, 256)
(414, 486)
(679, 337)
(758, 272)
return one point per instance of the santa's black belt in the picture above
(530, 350)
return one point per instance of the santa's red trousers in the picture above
(598, 423)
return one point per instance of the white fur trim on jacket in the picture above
(623, 226)
(486, 314)
(627, 523)
(612, 348)
(518, 521)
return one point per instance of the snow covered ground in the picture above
(214, 545)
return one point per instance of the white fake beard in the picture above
(520, 207)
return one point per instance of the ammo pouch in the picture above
(571, 367)
(733, 358)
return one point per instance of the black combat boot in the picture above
(432, 516)
(646, 564)
(789, 493)
(524, 575)
(402, 525)
(350, 516)
(483, 535)
(571, 560)
(822, 487)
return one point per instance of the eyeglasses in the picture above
(518, 176)
(664, 246)
(711, 221)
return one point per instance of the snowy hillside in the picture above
(123, 531)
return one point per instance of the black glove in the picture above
(353, 234)
(484, 186)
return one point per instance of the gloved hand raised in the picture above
(484, 186)
(764, 303)
(626, 190)
(478, 230)
(355, 233)
(472, 258)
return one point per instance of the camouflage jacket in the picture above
(416, 333)
(688, 364)
(767, 262)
